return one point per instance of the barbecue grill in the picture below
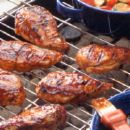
(79, 117)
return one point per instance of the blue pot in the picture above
(99, 20)
(121, 101)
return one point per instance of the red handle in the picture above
(116, 120)
(124, 126)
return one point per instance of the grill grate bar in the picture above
(117, 90)
(71, 58)
(61, 24)
(2, 118)
(120, 83)
(30, 91)
(78, 118)
(8, 14)
(73, 126)
(13, 11)
(124, 71)
(7, 110)
(84, 126)
(86, 112)
(2, 39)
(5, 25)
(13, 1)
(31, 104)
(25, 3)
(9, 35)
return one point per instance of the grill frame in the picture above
(33, 102)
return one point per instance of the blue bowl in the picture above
(99, 20)
(121, 101)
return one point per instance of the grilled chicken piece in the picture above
(102, 58)
(37, 25)
(22, 56)
(66, 87)
(48, 117)
(11, 89)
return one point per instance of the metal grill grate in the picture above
(78, 117)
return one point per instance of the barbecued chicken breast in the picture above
(66, 87)
(22, 56)
(37, 25)
(102, 58)
(48, 117)
(11, 89)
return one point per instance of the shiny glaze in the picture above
(22, 56)
(37, 25)
(96, 58)
(11, 89)
(47, 117)
(103, 105)
(67, 87)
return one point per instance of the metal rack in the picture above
(85, 123)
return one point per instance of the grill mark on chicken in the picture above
(113, 55)
(100, 85)
(47, 117)
(90, 52)
(100, 57)
(66, 87)
(17, 53)
(34, 24)
(88, 82)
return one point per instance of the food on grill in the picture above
(48, 117)
(37, 25)
(11, 89)
(115, 5)
(69, 87)
(22, 56)
(102, 58)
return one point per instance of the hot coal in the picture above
(70, 34)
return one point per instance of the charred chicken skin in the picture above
(48, 117)
(102, 58)
(66, 87)
(22, 56)
(37, 25)
(11, 89)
